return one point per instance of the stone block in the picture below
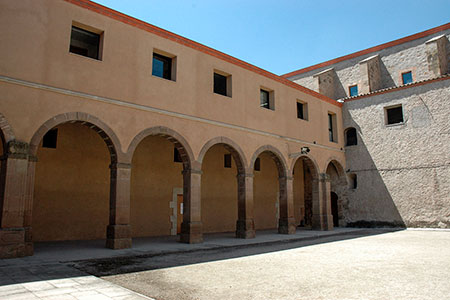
(245, 229)
(286, 226)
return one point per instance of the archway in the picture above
(222, 162)
(158, 156)
(72, 178)
(338, 187)
(270, 194)
(305, 174)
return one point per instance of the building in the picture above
(397, 128)
(112, 128)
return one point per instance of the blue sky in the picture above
(285, 35)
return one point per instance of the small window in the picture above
(227, 160)
(85, 43)
(266, 99)
(350, 137)
(162, 66)
(50, 139)
(222, 84)
(257, 166)
(407, 77)
(353, 90)
(394, 115)
(353, 181)
(331, 127)
(176, 156)
(302, 110)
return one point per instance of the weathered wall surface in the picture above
(403, 171)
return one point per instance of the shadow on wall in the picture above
(387, 80)
(370, 204)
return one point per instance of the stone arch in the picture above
(177, 139)
(310, 163)
(338, 187)
(106, 133)
(6, 132)
(339, 168)
(230, 145)
(276, 155)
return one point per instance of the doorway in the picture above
(334, 209)
(179, 212)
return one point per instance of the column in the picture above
(286, 223)
(245, 225)
(13, 187)
(192, 228)
(118, 233)
(322, 218)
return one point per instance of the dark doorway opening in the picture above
(334, 209)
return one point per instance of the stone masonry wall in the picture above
(403, 171)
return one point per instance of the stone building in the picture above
(112, 128)
(396, 111)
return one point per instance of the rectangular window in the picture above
(394, 115)
(302, 110)
(332, 127)
(257, 166)
(227, 160)
(222, 83)
(85, 43)
(176, 156)
(353, 90)
(162, 66)
(407, 77)
(266, 99)
(50, 139)
(353, 181)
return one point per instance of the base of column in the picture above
(13, 244)
(245, 229)
(118, 236)
(286, 226)
(322, 222)
(191, 232)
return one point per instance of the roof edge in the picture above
(369, 50)
(121, 17)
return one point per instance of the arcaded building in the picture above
(112, 128)
(396, 100)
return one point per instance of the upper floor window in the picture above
(332, 127)
(84, 42)
(302, 110)
(350, 137)
(222, 84)
(50, 139)
(394, 115)
(162, 66)
(353, 90)
(407, 77)
(266, 99)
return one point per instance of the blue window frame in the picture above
(353, 90)
(407, 77)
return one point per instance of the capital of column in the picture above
(17, 150)
(324, 177)
(245, 175)
(191, 171)
(117, 165)
(286, 178)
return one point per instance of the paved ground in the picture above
(406, 264)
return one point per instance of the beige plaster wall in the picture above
(219, 192)
(71, 196)
(265, 189)
(154, 175)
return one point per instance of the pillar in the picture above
(13, 187)
(286, 224)
(245, 225)
(118, 233)
(322, 218)
(192, 228)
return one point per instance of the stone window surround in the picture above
(413, 71)
(385, 109)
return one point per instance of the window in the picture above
(85, 43)
(353, 181)
(50, 139)
(162, 66)
(266, 99)
(227, 160)
(302, 110)
(407, 77)
(394, 115)
(176, 156)
(350, 137)
(257, 166)
(331, 127)
(222, 83)
(353, 90)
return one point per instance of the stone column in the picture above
(192, 228)
(28, 213)
(322, 218)
(245, 225)
(118, 233)
(286, 224)
(13, 188)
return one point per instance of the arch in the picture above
(351, 136)
(107, 134)
(6, 132)
(337, 165)
(177, 139)
(231, 146)
(276, 156)
(310, 163)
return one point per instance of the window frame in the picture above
(332, 127)
(304, 110)
(346, 137)
(350, 90)
(386, 115)
(403, 78)
(228, 83)
(270, 96)
(89, 30)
